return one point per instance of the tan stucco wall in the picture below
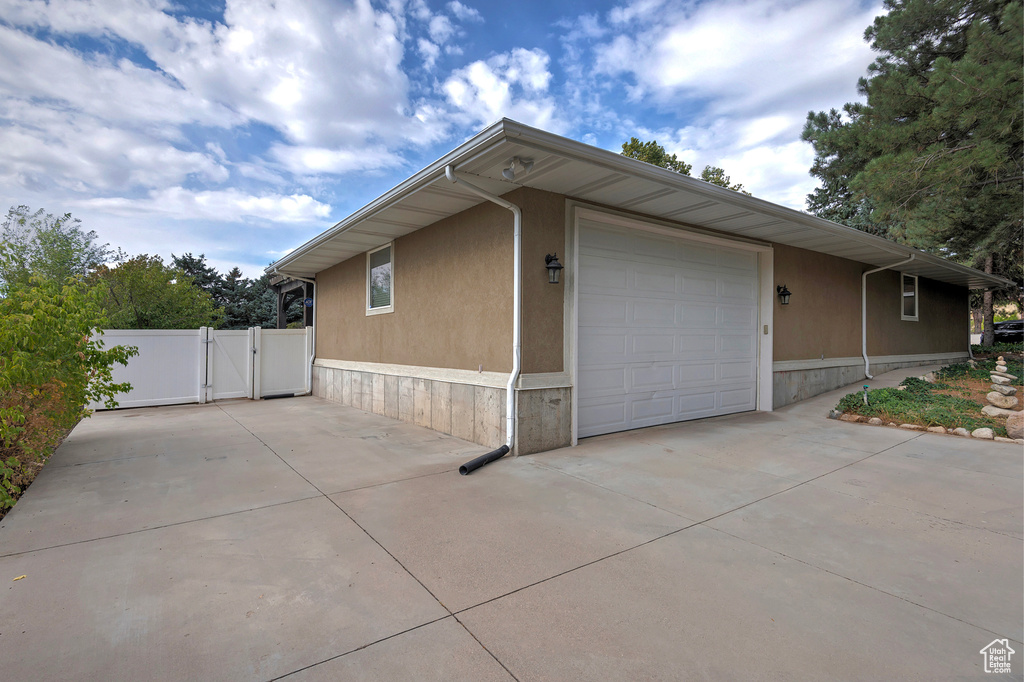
(824, 314)
(453, 294)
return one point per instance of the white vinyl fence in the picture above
(199, 365)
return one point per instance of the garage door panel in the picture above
(689, 252)
(737, 399)
(603, 380)
(696, 405)
(601, 311)
(738, 315)
(738, 344)
(656, 377)
(604, 275)
(653, 313)
(601, 417)
(697, 315)
(696, 343)
(740, 260)
(739, 290)
(737, 370)
(598, 240)
(655, 280)
(696, 373)
(651, 408)
(699, 285)
(608, 348)
(668, 331)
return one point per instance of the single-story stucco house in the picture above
(433, 301)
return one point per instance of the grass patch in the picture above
(954, 401)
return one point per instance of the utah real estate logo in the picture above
(997, 656)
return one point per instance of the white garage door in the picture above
(667, 329)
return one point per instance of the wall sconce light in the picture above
(784, 294)
(554, 268)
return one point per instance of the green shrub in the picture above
(52, 364)
(920, 403)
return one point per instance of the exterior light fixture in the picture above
(516, 165)
(784, 294)
(554, 268)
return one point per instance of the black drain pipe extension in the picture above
(474, 464)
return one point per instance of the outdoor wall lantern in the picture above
(784, 294)
(554, 268)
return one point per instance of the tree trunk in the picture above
(988, 338)
(976, 320)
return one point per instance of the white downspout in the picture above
(517, 288)
(864, 311)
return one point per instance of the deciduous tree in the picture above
(143, 293)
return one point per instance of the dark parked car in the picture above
(1011, 331)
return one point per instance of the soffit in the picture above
(601, 177)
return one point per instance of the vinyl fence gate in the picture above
(176, 366)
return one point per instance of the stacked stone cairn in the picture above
(1003, 397)
(1003, 400)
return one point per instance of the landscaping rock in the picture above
(993, 411)
(912, 427)
(851, 418)
(1005, 390)
(984, 434)
(1005, 375)
(937, 429)
(901, 388)
(834, 414)
(1000, 439)
(999, 400)
(1015, 425)
(996, 379)
(972, 364)
(893, 424)
(961, 431)
(875, 421)
(929, 377)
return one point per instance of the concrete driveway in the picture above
(301, 539)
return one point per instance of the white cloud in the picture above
(313, 160)
(462, 12)
(429, 51)
(441, 29)
(744, 54)
(747, 73)
(226, 205)
(512, 85)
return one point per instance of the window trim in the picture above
(917, 298)
(390, 308)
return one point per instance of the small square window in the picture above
(379, 281)
(908, 291)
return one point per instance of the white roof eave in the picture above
(484, 154)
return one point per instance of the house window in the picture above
(909, 293)
(380, 297)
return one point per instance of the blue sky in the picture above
(240, 130)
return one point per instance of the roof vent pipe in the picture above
(864, 312)
(517, 291)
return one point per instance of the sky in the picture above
(240, 130)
